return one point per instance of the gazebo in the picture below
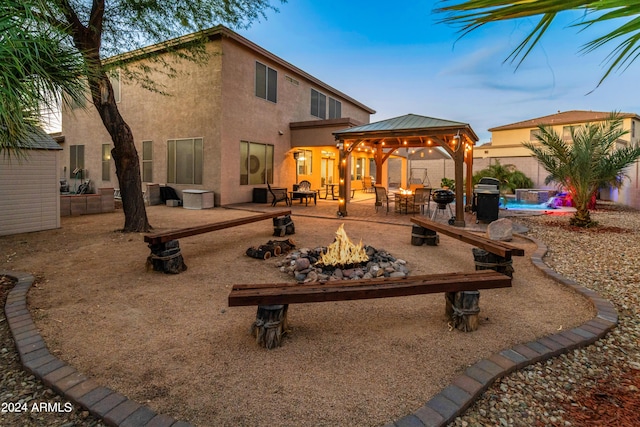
(410, 131)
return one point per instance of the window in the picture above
(304, 162)
(256, 163)
(184, 161)
(147, 161)
(266, 83)
(318, 104)
(357, 168)
(566, 133)
(76, 161)
(106, 162)
(335, 109)
(114, 78)
(533, 133)
(633, 128)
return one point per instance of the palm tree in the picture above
(472, 14)
(585, 164)
(509, 176)
(36, 68)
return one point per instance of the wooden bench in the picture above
(272, 299)
(492, 254)
(165, 249)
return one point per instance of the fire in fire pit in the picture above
(342, 260)
(343, 252)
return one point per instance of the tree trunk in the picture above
(124, 154)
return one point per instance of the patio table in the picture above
(306, 195)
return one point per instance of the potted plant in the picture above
(448, 184)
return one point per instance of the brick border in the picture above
(112, 407)
(454, 399)
(116, 410)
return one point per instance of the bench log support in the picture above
(272, 299)
(166, 257)
(462, 308)
(270, 325)
(165, 250)
(283, 226)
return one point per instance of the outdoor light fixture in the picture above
(296, 155)
(340, 145)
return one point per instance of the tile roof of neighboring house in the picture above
(566, 117)
(220, 31)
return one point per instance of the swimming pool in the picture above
(549, 205)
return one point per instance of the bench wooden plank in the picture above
(163, 237)
(292, 293)
(502, 249)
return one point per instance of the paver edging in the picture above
(63, 378)
(606, 319)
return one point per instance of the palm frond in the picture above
(472, 14)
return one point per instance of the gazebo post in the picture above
(458, 161)
(342, 176)
(469, 187)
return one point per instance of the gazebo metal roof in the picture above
(409, 124)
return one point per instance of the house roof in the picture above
(409, 123)
(38, 139)
(565, 117)
(218, 32)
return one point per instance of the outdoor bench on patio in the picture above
(488, 254)
(273, 299)
(165, 250)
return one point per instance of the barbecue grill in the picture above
(486, 199)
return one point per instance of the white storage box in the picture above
(197, 199)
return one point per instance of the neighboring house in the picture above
(506, 146)
(30, 187)
(228, 126)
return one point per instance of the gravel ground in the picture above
(592, 386)
(597, 385)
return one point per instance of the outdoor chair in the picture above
(304, 185)
(279, 195)
(367, 184)
(382, 197)
(422, 198)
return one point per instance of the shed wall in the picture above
(29, 199)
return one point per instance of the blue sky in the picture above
(397, 59)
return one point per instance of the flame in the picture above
(405, 192)
(343, 252)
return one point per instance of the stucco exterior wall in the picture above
(216, 102)
(191, 109)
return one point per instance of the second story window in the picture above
(114, 78)
(318, 104)
(533, 133)
(266, 83)
(566, 133)
(335, 109)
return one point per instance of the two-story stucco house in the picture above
(228, 126)
(506, 146)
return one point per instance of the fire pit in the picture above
(341, 260)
